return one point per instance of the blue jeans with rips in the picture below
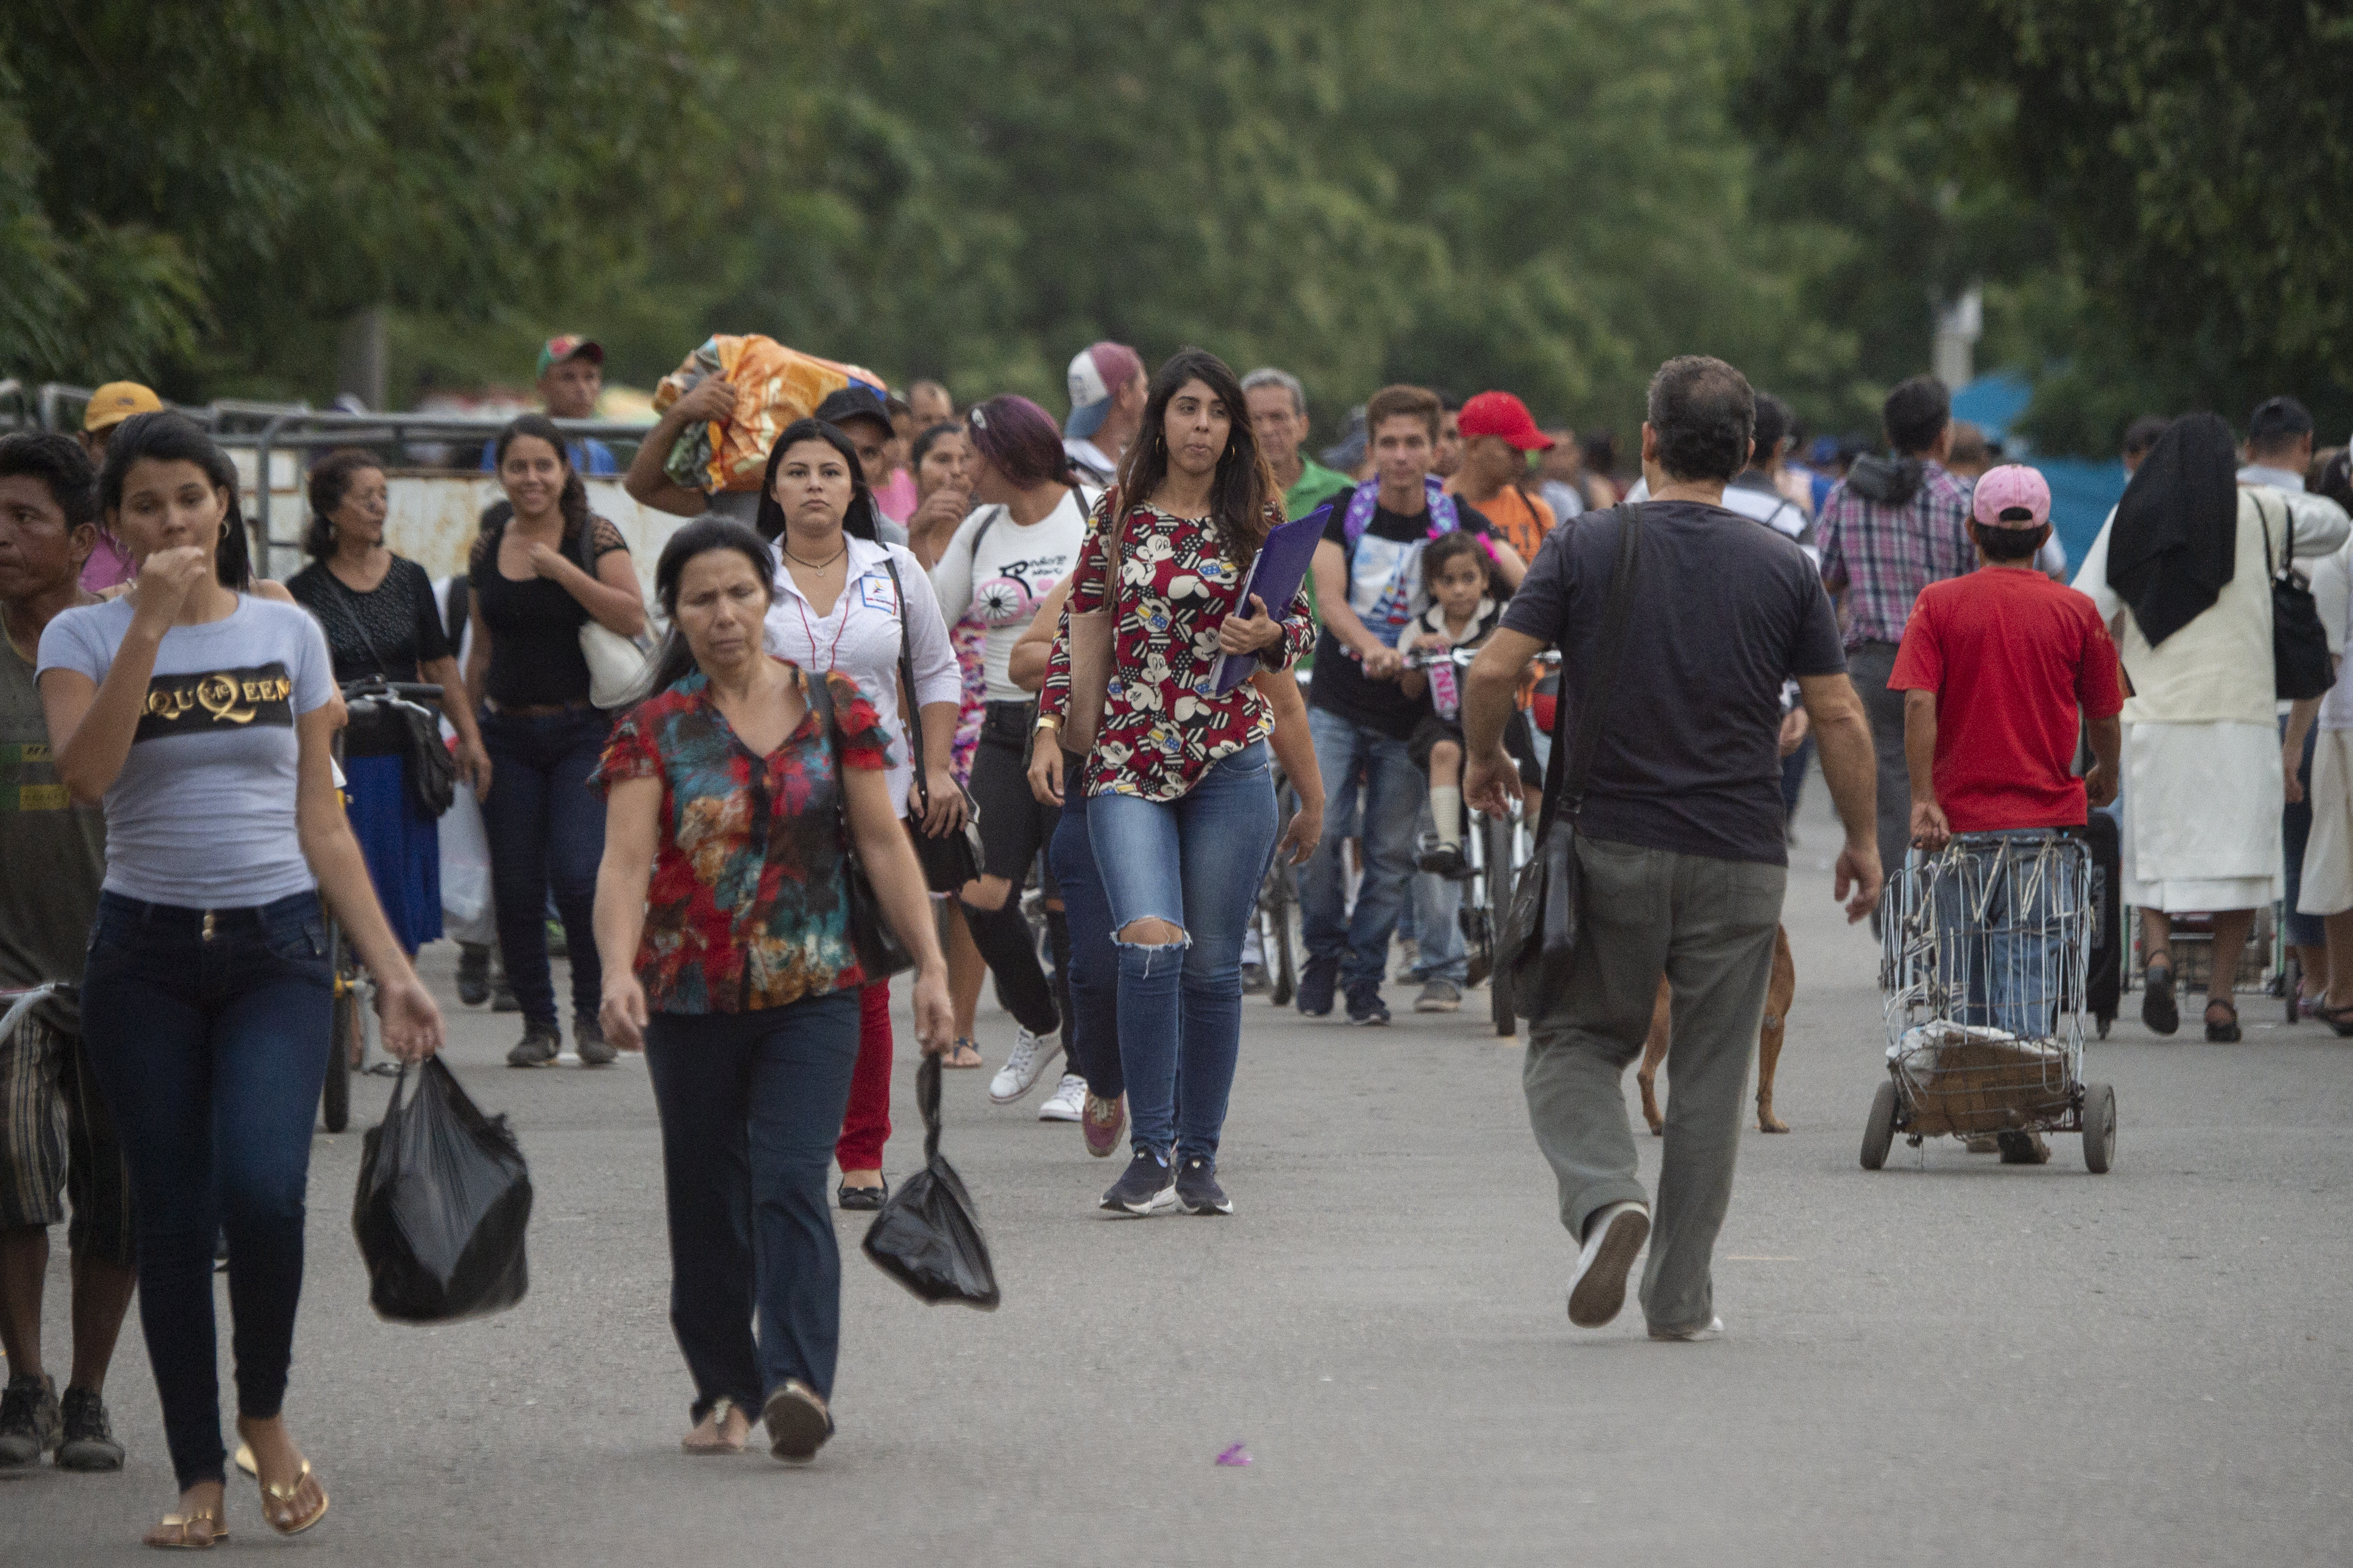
(1196, 862)
(1394, 793)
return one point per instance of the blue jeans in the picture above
(1091, 1032)
(211, 1047)
(1196, 862)
(1998, 946)
(547, 833)
(1394, 793)
(750, 1106)
(1434, 904)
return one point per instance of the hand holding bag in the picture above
(617, 664)
(951, 859)
(2301, 666)
(1539, 931)
(1091, 640)
(880, 952)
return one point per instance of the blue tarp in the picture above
(2082, 493)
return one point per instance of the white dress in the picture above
(2202, 786)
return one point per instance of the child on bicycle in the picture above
(1465, 609)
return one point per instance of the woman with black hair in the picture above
(722, 915)
(845, 604)
(382, 623)
(202, 715)
(526, 672)
(1179, 780)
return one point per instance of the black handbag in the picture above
(2301, 666)
(1539, 931)
(952, 859)
(431, 770)
(880, 952)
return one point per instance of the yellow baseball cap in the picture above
(116, 401)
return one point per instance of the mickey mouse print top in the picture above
(1163, 723)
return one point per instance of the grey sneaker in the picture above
(29, 1421)
(537, 1048)
(588, 1039)
(1439, 996)
(88, 1443)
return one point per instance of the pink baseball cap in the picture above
(2007, 487)
(1097, 373)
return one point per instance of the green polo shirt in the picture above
(1316, 485)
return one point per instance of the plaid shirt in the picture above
(1883, 555)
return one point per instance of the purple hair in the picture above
(1022, 440)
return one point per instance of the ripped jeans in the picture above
(1197, 862)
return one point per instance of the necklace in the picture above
(818, 565)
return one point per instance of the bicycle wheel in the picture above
(1500, 872)
(335, 1103)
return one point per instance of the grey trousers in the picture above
(1869, 665)
(1707, 924)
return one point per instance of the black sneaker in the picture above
(1366, 1006)
(1196, 1187)
(1443, 860)
(473, 972)
(89, 1437)
(1146, 1187)
(28, 1421)
(1317, 983)
(537, 1048)
(588, 1039)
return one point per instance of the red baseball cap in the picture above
(1501, 414)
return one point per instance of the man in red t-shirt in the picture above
(1995, 668)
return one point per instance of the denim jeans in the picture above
(1394, 793)
(1197, 862)
(1998, 948)
(1091, 1032)
(547, 833)
(208, 1031)
(750, 1104)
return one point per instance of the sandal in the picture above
(2337, 1018)
(957, 1054)
(723, 1416)
(180, 1524)
(2158, 1009)
(2221, 1034)
(278, 1502)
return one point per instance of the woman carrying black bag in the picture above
(739, 822)
(381, 622)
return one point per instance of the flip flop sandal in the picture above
(963, 1047)
(277, 1500)
(721, 1408)
(2337, 1018)
(181, 1521)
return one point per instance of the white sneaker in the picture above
(1714, 1331)
(1068, 1103)
(1612, 1236)
(1024, 1065)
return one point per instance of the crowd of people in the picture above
(941, 655)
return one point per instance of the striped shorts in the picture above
(58, 1144)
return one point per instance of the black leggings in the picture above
(1013, 827)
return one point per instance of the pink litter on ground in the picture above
(1235, 1457)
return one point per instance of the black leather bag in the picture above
(2301, 666)
(880, 952)
(1539, 931)
(431, 770)
(952, 859)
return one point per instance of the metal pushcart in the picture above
(1984, 971)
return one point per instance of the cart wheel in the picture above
(2099, 1128)
(1880, 1131)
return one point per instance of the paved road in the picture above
(1947, 1362)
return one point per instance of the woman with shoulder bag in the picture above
(381, 622)
(728, 914)
(847, 604)
(1181, 811)
(527, 671)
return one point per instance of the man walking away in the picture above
(1678, 845)
(1108, 390)
(1892, 526)
(57, 1140)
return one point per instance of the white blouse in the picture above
(860, 637)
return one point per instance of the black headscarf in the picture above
(2175, 541)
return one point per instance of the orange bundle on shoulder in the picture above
(773, 386)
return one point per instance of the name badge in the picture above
(874, 594)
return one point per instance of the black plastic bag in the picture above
(926, 1238)
(443, 1203)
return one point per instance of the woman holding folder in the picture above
(1180, 778)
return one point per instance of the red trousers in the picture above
(866, 1126)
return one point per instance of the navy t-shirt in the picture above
(1725, 610)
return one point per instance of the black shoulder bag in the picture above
(1539, 930)
(952, 859)
(2300, 662)
(880, 952)
(431, 771)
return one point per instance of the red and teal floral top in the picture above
(749, 906)
(1163, 723)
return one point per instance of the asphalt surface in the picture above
(1949, 1361)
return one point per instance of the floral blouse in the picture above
(1163, 726)
(747, 908)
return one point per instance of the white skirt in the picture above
(2327, 885)
(2202, 806)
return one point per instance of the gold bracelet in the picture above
(1050, 721)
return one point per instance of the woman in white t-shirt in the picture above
(202, 716)
(1000, 566)
(845, 601)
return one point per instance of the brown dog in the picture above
(1779, 992)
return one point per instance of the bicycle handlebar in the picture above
(1427, 654)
